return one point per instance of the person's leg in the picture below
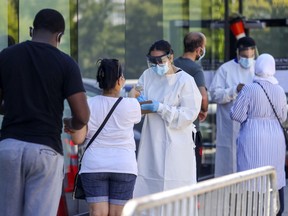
(98, 209)
(281, 200)
(96, 190)
(12, 179)
(115, 210)
(44, 171)
(198, 153)
(120, 191)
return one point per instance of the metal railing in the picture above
(252, 192)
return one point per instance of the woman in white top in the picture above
(108, 169)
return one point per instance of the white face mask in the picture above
(246, 62)
(203, 54)
(161, 69)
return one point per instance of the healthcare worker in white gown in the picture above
(226, 84)
(166, 158)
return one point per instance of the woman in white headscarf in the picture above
(261, 141)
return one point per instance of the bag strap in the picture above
(271, 105)
(102, 125)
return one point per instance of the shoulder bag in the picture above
(78, 191)
(283, 128)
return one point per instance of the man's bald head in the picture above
(193, 40)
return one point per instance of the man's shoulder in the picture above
(67, 57)
(12, 51)
(181, 60)
(229, 63)
(188, 65)
(227, 67)
(14, 47)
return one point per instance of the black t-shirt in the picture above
(35, 79)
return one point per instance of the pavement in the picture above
(76, 207)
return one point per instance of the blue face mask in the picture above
(246, 62)
(161, 69)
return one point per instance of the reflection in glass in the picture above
(27, 14)
(4, 24)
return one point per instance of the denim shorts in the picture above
(115, 188)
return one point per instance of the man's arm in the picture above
(80, 111)
(204, 104)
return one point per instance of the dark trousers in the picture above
(281, 200)
(198, 152)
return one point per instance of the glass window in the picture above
(143, 27)
(27, 14)
(273, 17)
(101, 33)
(4, 24)
(265, 9)
(125, 29)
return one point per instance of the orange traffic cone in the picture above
(62, 209)
(72, 168)
(237, 28)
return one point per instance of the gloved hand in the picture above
(141, 98)
(153, 107)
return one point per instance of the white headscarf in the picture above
(265, 68)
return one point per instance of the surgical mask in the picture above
(161, 69)
(203, 54)
(246, 62)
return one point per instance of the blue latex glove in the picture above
(153, 107)
(141, 98)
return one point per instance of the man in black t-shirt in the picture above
(35, 79)
(194, 50)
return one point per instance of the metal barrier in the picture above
(252, 192)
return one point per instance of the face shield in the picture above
(247, 52)
(153, 61)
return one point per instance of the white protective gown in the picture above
(166, 157)
(223, 91)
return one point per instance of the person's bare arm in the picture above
(204, 104)
(79, 110)
(77, 136)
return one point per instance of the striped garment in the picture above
(261, 140)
